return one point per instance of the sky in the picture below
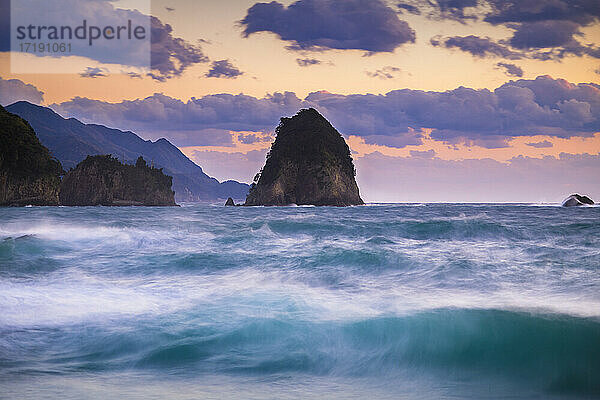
(439, 100)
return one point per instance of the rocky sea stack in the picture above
(28, 174)
(308, 164)
(576, 200)
(103, 180)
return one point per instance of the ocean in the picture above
(384, 301)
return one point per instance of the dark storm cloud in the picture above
(170, 56)
(13, 90)
(543, 106)
(511, 69)
(368, 25)
(223, 69)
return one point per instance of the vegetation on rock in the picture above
(103, 180)
(309, 163)
(28, 173)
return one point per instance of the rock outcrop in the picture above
(576, 200)
(103, 180)
(230, 202)
(28, 174)
(308, 164)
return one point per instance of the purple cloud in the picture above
(455, 9)
(477, 46)
(93, 72)
(13, 90)
(543, 29)
(541, 34)
(543, 106)
(411, 8)
(171, 56)
(369, 25)
(223, 69)
(511, 69)
(199, 121)
(583, 12)
(306, 62)
(384, 73)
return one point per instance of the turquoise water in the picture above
(435, 301)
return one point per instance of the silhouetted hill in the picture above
(71, 141)
(28, 174)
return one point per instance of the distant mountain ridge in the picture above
(71, 141)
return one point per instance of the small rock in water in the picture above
(229, 202)
(576, 200)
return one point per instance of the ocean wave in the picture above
(390, 294)
(555, 353)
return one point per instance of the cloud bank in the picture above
(543, 106)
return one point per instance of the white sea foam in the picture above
(280, 263)
(74, 297)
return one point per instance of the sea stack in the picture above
(103, 180)
(576, 200)
(29, 175)
(308, 164)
